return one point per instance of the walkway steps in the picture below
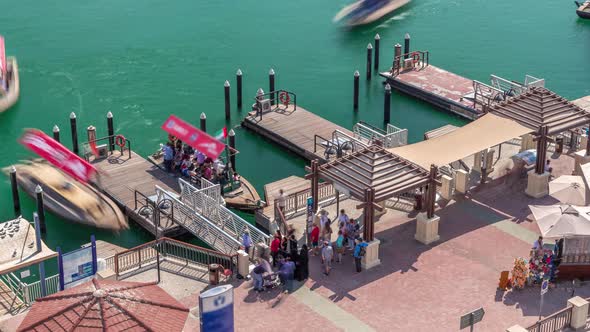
(9, 302)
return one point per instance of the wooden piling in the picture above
(369, 60)
(203, 122)
(387, 104)
(74, 130)
(406, 45)
(271, 85)
(239, 87)
(355, 101)
(110, 131)
(56, 133)
(14, 187)
(227, 106)
(232, 145)
(40, 208)
(377, 42)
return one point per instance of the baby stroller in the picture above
(270, 281)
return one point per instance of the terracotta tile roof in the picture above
(107, 306)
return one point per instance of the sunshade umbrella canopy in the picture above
(568, 189)
(107, 306)
(559, 221)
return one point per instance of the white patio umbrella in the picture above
(559, 221)
(568, 189)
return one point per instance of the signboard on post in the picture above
(78, 266)
(310, 215)
(57, 154)
(194, 137)
(471, 318)
(544, 286)
(216, 309)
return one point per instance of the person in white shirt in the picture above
(538, 244)
(342, 219)
(281, 200)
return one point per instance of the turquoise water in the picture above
(144, 60)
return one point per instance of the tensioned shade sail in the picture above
(483, 133)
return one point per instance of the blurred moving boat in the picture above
(69, 198)
(367, 11)
(583, 10)
(9, 82)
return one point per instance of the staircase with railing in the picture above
(200, 212)
(390, 138)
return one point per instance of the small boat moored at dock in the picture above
(69, 198)
(583, 10)
(367, 11)
(9, 80)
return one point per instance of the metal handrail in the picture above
(273, 96)
(423, 61)
(110, 144)
(297, 201)
(145, 255)
(391, 138)
(555, 322)
(32, 291)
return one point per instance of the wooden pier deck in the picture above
(294, 129)
(105, 249)
(122, 175)
(438, 87)
(583, 102)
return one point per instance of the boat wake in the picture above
(74, 88)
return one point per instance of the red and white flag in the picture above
(194, 137)
(57, 154)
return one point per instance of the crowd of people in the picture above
(292, 263)
(183, 160)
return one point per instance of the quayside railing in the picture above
(27, 293)
(191, 257)
(390, 138)
(553, 323)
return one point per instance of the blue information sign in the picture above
(216, 308)
(78, 266)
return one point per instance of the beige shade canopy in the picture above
(19, 248)
(559, 221)
(483, 133)
(568, 189)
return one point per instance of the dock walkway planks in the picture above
(438, 87)
(121, 176)
(294, 129)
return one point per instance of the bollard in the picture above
(239, 87)
(377, 41)
(40, 208)
(56, 133)
(232, 145)
(271, 86)
(355, 102)
(110, 131)
(227, 108)
(387, 104)
(369, 57)
(91, 135)
(203, 122)
(74, 131)
(14, 187)
(407, 46)
(397, 52)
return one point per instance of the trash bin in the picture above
(213, 274)
(559, 145)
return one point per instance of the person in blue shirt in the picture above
(286, 274)
(247, 241)
(359, 252)
(168, 156)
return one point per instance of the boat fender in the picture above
(120, 140)
(415, 57)
(284, 98)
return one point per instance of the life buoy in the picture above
(284, 98)
(415, 57)
(120, 140)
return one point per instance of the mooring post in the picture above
(14, 187)
(271, 85)
(91, 135)
(259, 97)
(232, 145)
(40, 208)
(387, 104)
(56, 133)
(377, 42)
(369, 59)
(397, 59)
(355, 101)
(407, 46)
(239, 87)
(227, 107)
(110, 131)
(74, 131)
(203, 122)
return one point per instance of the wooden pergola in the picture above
(373, 175)
(544, 112)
